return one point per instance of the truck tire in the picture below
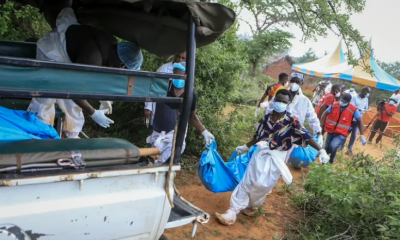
(163, 237)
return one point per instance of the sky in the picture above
(379, 21)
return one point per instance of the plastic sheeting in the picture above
(23, 125)
(238, 163)
(302, 157)
(215, 175)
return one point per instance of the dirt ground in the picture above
(277, 214)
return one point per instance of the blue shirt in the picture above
(282, 134)
(360, 103)
(357, 113)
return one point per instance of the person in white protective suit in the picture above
(70, 42)
(278, 131)
(301, 107)
(166, 116)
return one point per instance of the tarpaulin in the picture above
(22, 125)
(302, 157)
(238, 163)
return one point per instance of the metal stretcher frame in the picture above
(19, 89)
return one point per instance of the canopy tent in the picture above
(360, 74)
(325, 67)
(319, 66)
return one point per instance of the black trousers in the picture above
(378, 126)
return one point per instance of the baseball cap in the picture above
(346, 97)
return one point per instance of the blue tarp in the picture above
(302, 157)
(22, 125)
(220, 176)
(213, 172)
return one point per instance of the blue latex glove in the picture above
(363, 141)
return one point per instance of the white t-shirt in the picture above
(397, 97)
(353, 93)
(328, 88)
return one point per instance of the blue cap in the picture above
(181, 66)
(130, 54)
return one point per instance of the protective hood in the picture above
(158, 26)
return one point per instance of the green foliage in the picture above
(313, 17)
(309, 56)
(359, 200)
(264, 44)
(393, 68)
(18, 23)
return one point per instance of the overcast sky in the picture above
(379, 20)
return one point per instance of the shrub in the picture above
(357, 200)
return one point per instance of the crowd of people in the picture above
(338, 114)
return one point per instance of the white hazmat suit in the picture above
(52, 47)
(262, 174)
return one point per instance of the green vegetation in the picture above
(358, 199)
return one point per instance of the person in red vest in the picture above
(337, 120)
(385, 114)
(272, 89)
(327, 100)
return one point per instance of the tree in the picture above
(265, 44)
(313, 17)
(393, 68)
(17, 23)
(309, 56)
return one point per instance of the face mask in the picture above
(328, 82)
(337, 94)
(342, 104)
(286, 84)
(351, 89)
(367, 95)
(280, 107)
(178, 83)
(391, 103)
(294, 87)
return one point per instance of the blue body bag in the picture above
(213, 172)
(238, 164)
(218, 176)
(23, 125)
(302, 157)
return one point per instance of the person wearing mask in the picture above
(352, 90)
(301, 107)
(337, 122)
(277, 133)
(386, 112)
(70, 42)
(327, 100)
(328, 87)
(166, 116)
(149, 107)
(271, 90)
(396, 95)
(361, 103)
(168, 67)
